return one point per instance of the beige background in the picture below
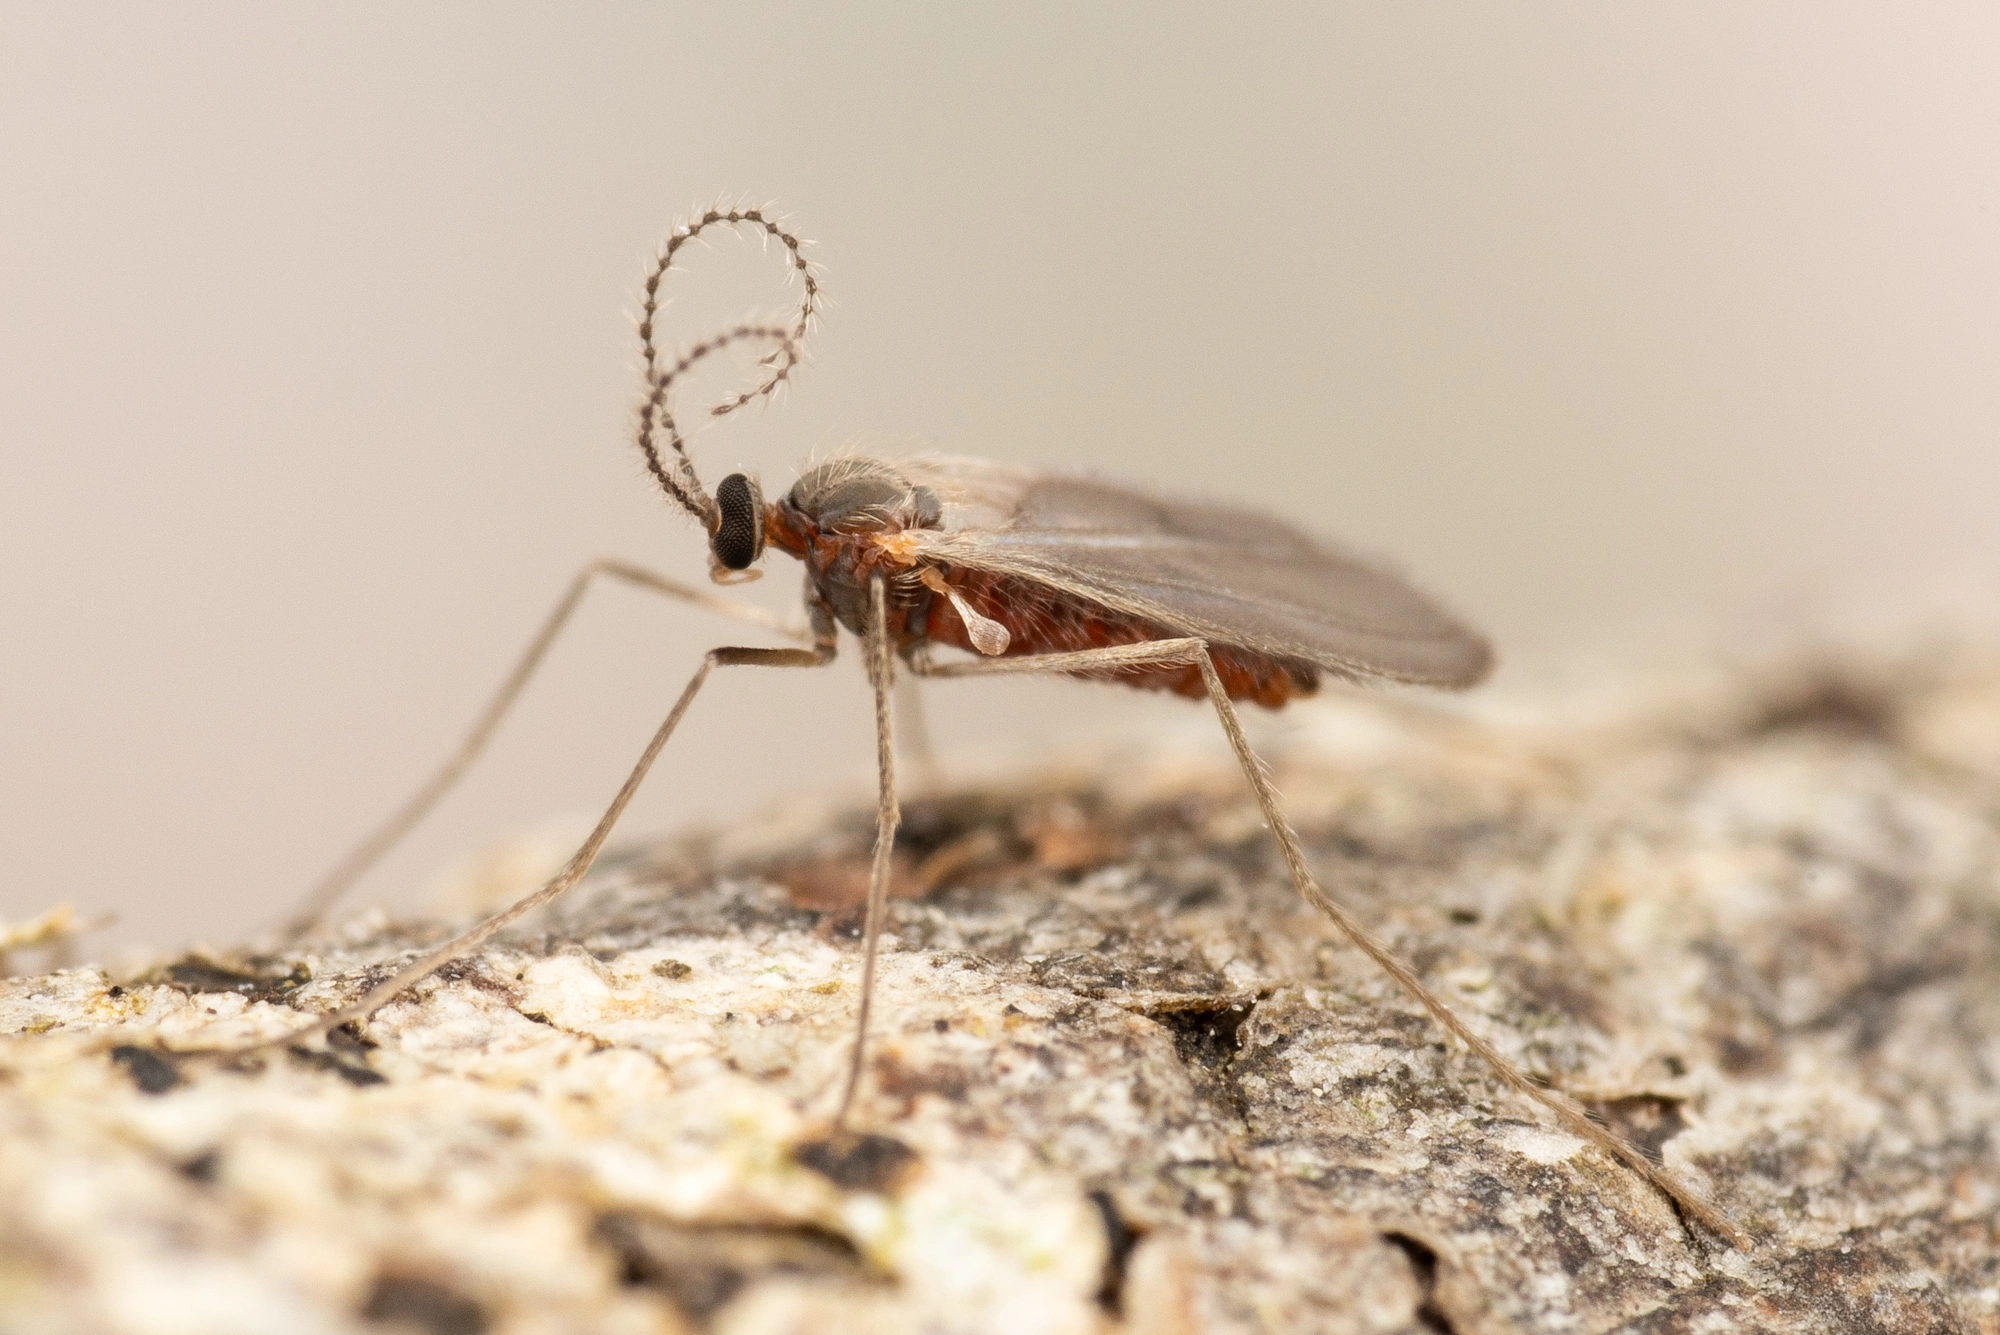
(315, 365)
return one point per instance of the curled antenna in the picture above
(678, 479)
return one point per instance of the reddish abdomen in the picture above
(1042, 620)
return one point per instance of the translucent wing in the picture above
(1231, 576)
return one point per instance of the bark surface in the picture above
(1123, 1080)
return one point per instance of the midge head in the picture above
(734, 516)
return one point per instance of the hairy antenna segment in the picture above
(683, 485)
(679, 480)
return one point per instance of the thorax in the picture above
(844, 549)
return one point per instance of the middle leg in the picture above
(888, 815)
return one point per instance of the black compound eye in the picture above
(739, 527)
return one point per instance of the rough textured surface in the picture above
(1124, 1081)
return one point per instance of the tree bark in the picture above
(1123, 1079)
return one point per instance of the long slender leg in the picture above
(405, 818)
(881, 676)
(1566, 1110)
(579, 864)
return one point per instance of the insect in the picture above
(1024, 572)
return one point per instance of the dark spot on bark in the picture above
(114, 991)
(1119, 1240)
(1209, 1031)
(747, 915)
(1423, 1261)
(1121, 962)
(700, 1269)
(1772, 1163)
(1573, 1251)
(153, 1072)
(866, 1162)
(1646, 1120)
(900, 1081)
(1831, 704)
(1464, 917)
(1740, 1058)
(1488, 1190)
(426, 1304)
(1208, 1036)
(1198, 896)
(1551, 990)
(352, 1072)
(940, 1026)
(201, 1168)
(930, 823)
(348, 1040)
(673, 969)
(473, 972)
(196, 974)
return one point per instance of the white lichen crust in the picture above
(1124, 1080)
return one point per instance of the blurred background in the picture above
(317, 368)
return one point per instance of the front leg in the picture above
(580, 862)
(364, 855)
